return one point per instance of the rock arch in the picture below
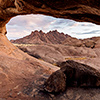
(16, 67)
(79, 10)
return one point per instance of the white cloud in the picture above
(23, 25)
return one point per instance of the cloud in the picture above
(91, 32)
(87, 24)
(23, 25)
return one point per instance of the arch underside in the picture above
(78, 10)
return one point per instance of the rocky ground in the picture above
(58, 53)
(55, 54)
(22, 76)
(55, 47)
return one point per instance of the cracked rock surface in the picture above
(79, 10)
(21, 76)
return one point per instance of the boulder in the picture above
(56, 82)
(77, 75)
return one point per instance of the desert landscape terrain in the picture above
(61, 53)
(61, 48)
(35, 77)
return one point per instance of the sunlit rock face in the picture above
(22, 76)
(78, 10)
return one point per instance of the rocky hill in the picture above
(22, 77)
(93, 42)
(55, 37)
(39, 37)
(71, 41)
(54, 47)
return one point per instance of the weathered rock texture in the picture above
(78, 10)
(93, 42)
(58, 53)
(56, 82)
(21, 76)
(72, 74)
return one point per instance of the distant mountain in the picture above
(54, 37)
(39, 37)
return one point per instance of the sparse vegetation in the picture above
(55, 64)
(41, 59)
(77, 58)
(24, 44)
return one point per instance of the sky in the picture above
(23, 25)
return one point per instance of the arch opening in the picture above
(23, 25)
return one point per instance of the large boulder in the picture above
(76, 74)
(56, 82)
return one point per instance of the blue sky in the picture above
(21, 26)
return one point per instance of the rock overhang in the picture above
(79, 10)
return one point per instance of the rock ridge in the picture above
(39, 37)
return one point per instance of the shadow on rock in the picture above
(72, 74)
